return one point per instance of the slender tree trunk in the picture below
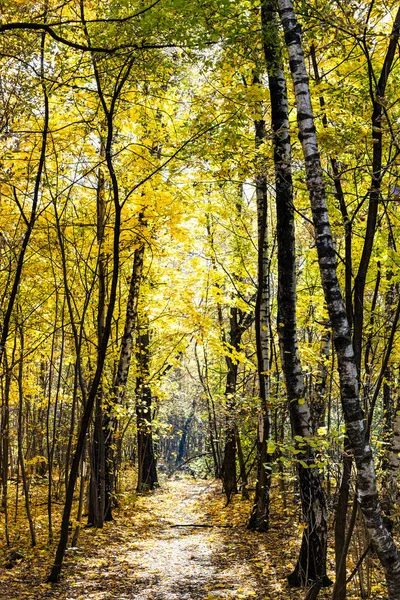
(183, 442)
(340, 524)
(339, 592)
(30, 222)
(212, 425)
(375, 189)
(237, 326)
(147, 471)
(348, 373)
(110, 424)
(391, 460)
(98, 467)
(102, 350)
(25, 484)
(259, 517)
(51, 443)
(75, 536)
(242, 466)
(5, 440)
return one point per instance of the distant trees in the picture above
(154, 205)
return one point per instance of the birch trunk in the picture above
(353, 414)
(311, 564)
(339, 592)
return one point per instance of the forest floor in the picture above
(143, 555)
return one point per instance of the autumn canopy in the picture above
(199, 277)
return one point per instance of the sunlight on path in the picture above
(167, 563)
(143, 555)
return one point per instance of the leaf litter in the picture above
(143, 555)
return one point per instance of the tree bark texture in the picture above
(348, 373)
(311, 564)
(259, 517)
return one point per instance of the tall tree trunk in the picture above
(311, 564)
(98, 467)
(30, 222)
(110, 424)
(339, 592)
(102, 350)
(375, 189)
(5, 440)
(238, 323)
(25, 483)
(348, 373)
(259, 517)
(391, 460)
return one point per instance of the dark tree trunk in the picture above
(375, 189)
(183, 442)
(340, 524)
(102, 350)
(147, 471)
(237, 326)
(97, 488)
(259, 517)
(110, 423)
(229, 461)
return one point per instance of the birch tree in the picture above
(348, 376)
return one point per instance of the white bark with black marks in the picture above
(353, 414)
(311, 564)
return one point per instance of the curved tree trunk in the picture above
(97, 487)
(102, 350)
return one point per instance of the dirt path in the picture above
(143, 556)
(161, 562)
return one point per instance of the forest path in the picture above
(159, 561)
(142, 555)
